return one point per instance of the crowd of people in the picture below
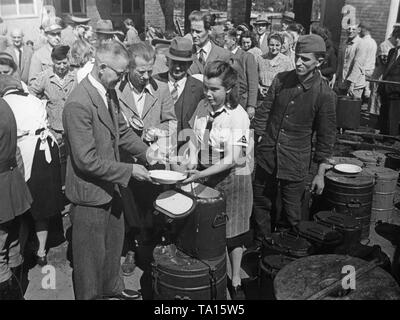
(92, 110)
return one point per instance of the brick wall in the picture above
(154, 14)
(376, 13)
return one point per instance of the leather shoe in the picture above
(237, 293)
(129, 265)
(126, 295)
(41, 261)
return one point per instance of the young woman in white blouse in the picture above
(219, 155)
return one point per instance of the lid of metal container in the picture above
(352, 180)
(347, 160)
(381, 173)
(370, 156)
(201, 191)
(276, 261)
(395, 156)
(174, 204)
(288, 242)
(341, 221)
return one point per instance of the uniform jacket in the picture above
(392, 73)
(287, 120)
(26, 58)
(247, 67)
(15, 198)
(216, 53)
(188, 101)
(158, 110)
(41, 60)
(93, 139)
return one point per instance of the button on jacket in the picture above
(47, 85)
(287, 119)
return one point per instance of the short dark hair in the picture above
(206, 17)
(7, 60)
(275, 36)
(232, 33)
(251, 35)
(296, 27)
(114, 48)
(143, 50)
(396, 33)
(228, 75)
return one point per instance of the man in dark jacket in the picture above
(15, 200)
(186, 91)
(390, 93)
(298, 104)
(246, 66)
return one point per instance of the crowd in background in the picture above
(162, 84)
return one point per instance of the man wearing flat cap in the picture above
(70, 34)
(41, 59)
(299, 103)
(55, 85)
(261, 26)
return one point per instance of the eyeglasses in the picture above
(54, 34)
(119, 74)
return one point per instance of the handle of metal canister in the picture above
(354, 204)
(213, 281)
(154, 275)
(178, 297)
(220, 220)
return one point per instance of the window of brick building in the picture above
(18, 8)
(73, 6)
(125, 7)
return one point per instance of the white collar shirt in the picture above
(100, 88)
(140, 97)
(262, 38)
(234, 51)
(207, 49)
(181, 84)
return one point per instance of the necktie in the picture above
(206, 139)
(109, 105)
(19, 57)
(202, 57)
(174, 92)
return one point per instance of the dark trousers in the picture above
(97, 241)
(266, 188)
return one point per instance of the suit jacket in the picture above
(188, 101)
(264, 45)
(93, 139)
(216, 53)
(15, 198)
(391, 73)
(247, 68)
(158, 111)
(26, 58)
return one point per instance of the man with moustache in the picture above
(185, 90)
(95, 130)
(299, 103)
(205, 49)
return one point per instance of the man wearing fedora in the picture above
(261, 25)
(41, 59)
(186, 91)
(104, 32)
(205, 50)
(287, 19)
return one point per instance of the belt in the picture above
(9, 165)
